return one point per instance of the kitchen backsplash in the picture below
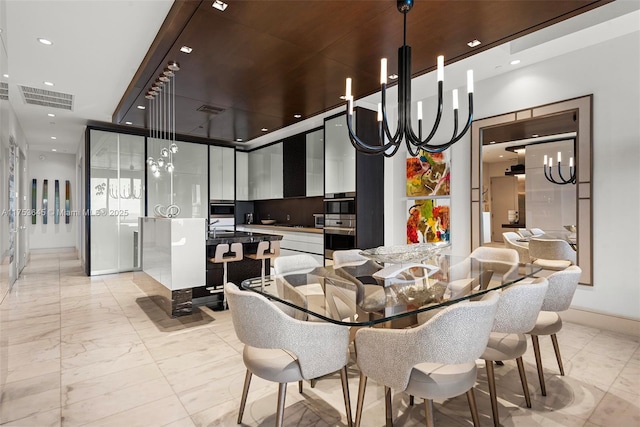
(299, 210)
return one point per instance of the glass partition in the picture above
(116, 199)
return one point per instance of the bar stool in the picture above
(266, 249)
(225, 255)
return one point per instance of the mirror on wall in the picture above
(512, 189)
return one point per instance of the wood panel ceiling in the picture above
(262, 62)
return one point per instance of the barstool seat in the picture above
(266, 250)
(224, 255)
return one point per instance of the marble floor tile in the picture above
(161, 412)
(96, 408)
(41, 418)
(617, 408)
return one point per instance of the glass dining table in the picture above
(369, 293)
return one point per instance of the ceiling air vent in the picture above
(210, 109)
(4, 91)
(47, 98)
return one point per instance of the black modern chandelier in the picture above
(388, 144)
(560, 180)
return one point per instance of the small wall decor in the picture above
(428, 174)
(34, 200)
(67, 202)
(45, 202)
(56, 203)
(429, 221)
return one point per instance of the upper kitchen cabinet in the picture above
(265, 173)
(294, 153)
(315, 163)
(221, 173)
(242, 175)
(340, 157)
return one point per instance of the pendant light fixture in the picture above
(387, 143)
(162, 119)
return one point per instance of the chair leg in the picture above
(345, 394)
(411, 400)
(361, 389)
(245, 391)
(300, 386)
(263, 274)
(428, 412)
(556, 348)
(536, 352)
(387, 407)
(491, 380)
(523, 380)
(282, 393)
(473, 408)
(313, 382)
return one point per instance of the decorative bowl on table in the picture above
(268, 221)
(404, 253)
(419, 294)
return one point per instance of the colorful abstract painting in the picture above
(429, 221)
(428, 174)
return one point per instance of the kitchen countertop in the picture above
(281, 227)
(240, 237)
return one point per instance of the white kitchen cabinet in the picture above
(221, 173)
(242, 175)
(340, 157)
(315, 163)
(265, 173)
(293, 242)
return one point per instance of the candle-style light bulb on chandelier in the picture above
(560, 180)
(388, 144)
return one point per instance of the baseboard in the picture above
(623, 325)
(53, 250)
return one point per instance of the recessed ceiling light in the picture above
(53, 149)
(45, 41)
(501, 156)
(492, 142)
(474, 43)
(297, 116)
(264, 129)
(128, 123)
(6, 76)
(239, 139)
(343, 97)
(53, 137)
(51, 115)
(48, 83)
(141, 107)
(219, 4)
(186, 49)
(515, 62)
(393, 76)
(535, 135)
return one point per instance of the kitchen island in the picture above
(175, 261)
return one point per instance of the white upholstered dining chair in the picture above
(511, 242)
(562, 286)
(517, 312)
(551, 254)
(281, 349)
(524, 232)
(435, 360)
(537, 231)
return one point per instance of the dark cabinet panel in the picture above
(294, 159)
(369, 185)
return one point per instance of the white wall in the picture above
(52, 166)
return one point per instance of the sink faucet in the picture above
(211, 228)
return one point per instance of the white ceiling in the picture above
(99, 44)
(97, 48)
